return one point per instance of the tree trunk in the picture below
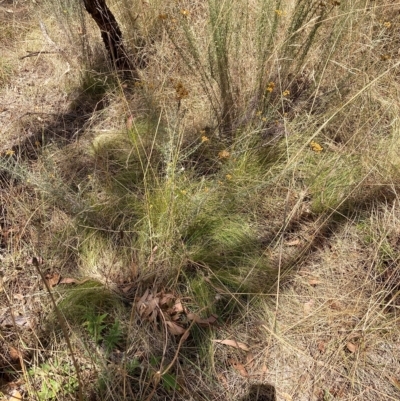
(110, 33)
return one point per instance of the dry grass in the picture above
(252, 174)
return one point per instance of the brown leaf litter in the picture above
(168, 309)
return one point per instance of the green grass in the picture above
(252, 173)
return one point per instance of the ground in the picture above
(147, 255)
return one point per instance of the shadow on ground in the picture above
(261, 392)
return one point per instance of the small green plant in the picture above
(96, 309)
(113, 336)
(95, 325)
(53, 380)
(110, 335)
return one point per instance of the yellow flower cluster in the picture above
(316, 147)
(224, 154)
(270, 87)
(286, 93)
(280, 13)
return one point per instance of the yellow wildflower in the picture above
(316, 147)
(228, 177)
(279, 13)
(387, 24)
(270, 87)
(224, 154)
(183, 192)
(204, 139)
(264, 119)
(10, 152)
(185, 12)
(286, 93)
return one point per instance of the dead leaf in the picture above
(262, 372)
(141, 303)
(166, 299)
(185, 335)
(250, 359)
(68, 280)
(129, 122)
(395, 382)
(15, 354)
(286, 396)
(175, 329)
(19, 297)
(150, 307)
(233, 343)
(178, 308)
(53, 279)
(294, 242)
(314, 281)
(153, 317)
(351, 347)
(202, 322)
(22, 320)
(144, 296)
(239, 367)
(16, 395)
(134, 269)
(321, 347)
(222, 379)
(336, 305)
(127, 288)
(308, 306)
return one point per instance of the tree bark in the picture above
(110, 33)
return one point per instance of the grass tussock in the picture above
(222, 228)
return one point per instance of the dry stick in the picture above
(38, 53)
(60, 318)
